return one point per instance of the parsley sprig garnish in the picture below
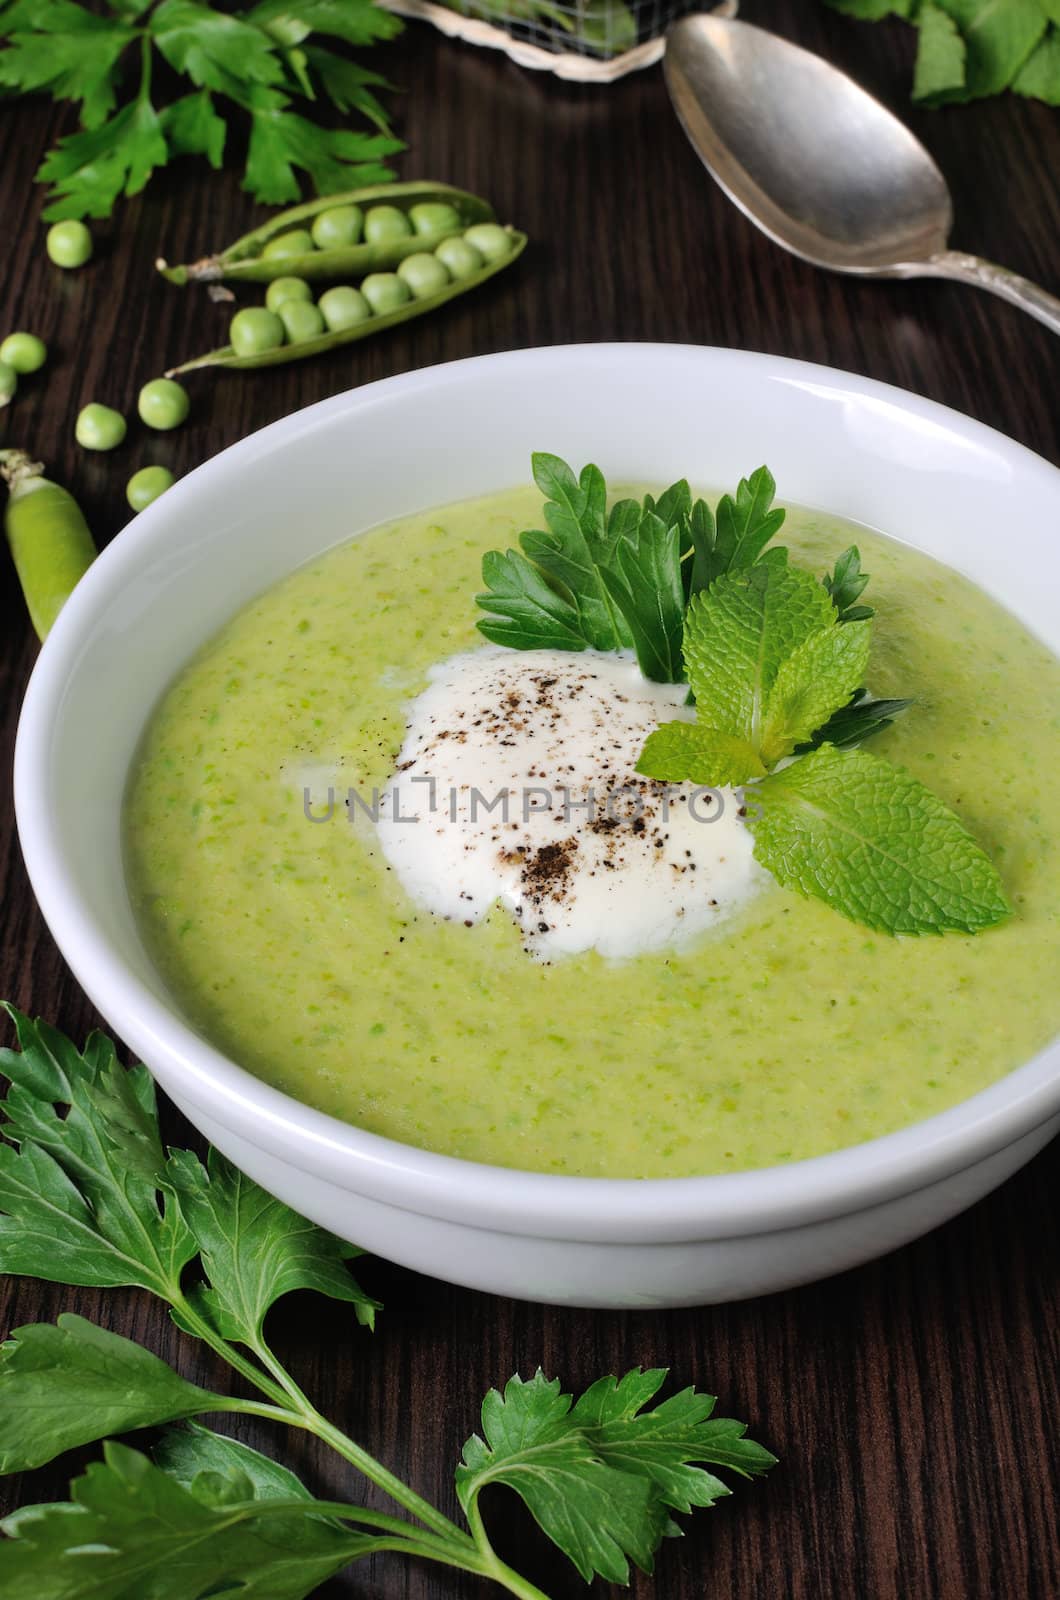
(258, 62)
(776, 662)
(89, 1197)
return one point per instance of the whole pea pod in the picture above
(48, 536)
(367, 235)
(423, 282)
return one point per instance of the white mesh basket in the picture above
(588, 41)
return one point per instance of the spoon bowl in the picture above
(818, 164)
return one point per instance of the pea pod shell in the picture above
(242, 261)
(51, 545)
(226, 356)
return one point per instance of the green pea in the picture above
(338, 226)
(434, 216)
(99, 428)
(254, 330)
(24, 351)
(343, 307)
(385, 291)
(163, 404)
(298, 242)
(424, 274)
(8, 383)
(490, 240)
(301, 320)
(146, 485)
(69, 244)
(460, 259)
(382, 224)
(281, 289)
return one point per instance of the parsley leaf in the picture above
(644, 581)
(602, 1476)
(861, 717)
(132, 1531)
(846, 583)
(251, 60)
(1040, 76)
(871, 841)
(70, 1383)
(528, 613)
(255, 1249)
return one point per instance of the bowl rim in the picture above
(606, 1210)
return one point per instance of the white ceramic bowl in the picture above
(648, 412)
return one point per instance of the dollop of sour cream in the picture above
(517, 785)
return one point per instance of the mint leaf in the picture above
(872, 842)
(854, 723)
(819, 676)
(255, 1249)
(132, 1532)
(1040, 76)
(998, 39)
(686, 752)
(601, 1478)
(737, 634)
(76, 1206)
(941, 66)
(527, 612)
(69, 1383)
(645, 583)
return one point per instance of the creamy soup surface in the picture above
(785, 1033)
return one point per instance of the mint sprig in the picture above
(772, 656)
(88, 1195)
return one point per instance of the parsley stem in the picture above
(191, 1322)
(492, 1565)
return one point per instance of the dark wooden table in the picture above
(914, 1401)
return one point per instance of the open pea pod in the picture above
(243, 262)
(227, 357)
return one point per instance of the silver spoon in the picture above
(818, 164)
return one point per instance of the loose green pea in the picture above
(8, 383)
(385, 291)
(281, 289)
(146, 485)
(384, 223)
(24, 351)
(301, 320)
(254, 330)
(424, 274)
(69, 244)
(343, 307)
(490, 239)
(460, 259)
(163, 404)
(99, 428)
(434, 216)
(298, 242)
(339, 225)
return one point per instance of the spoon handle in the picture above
(1010, 286)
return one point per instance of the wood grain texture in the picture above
(914, 1401)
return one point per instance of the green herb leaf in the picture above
(89, 171)
(645, 583)
(527, 612)
(255, 1249)
(818, 676)
(1040, 76)
(186, 1453)
(872, 842)
(356, 22)
(77, 1206)
(601, 1478)
(998, 40)
(214, 49)
(347, 85)
(577, 539)
(854, 723)
(737, 634)
(846, 583)
(686, 752)
(193, 128)
(69, 1383)
(333, 158)
(941, 57)
(132, 1532)
(57, 47)
(746, 524)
